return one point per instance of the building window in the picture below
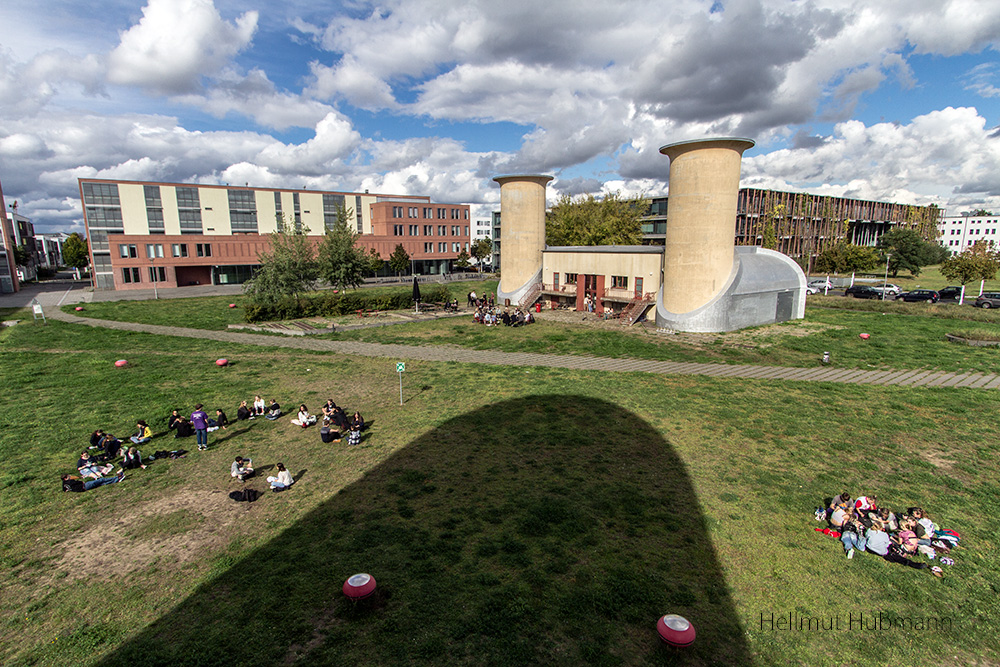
(203, 249)
(442, 214)
(397, 211)
(454, 230)
(180, 250)
(555, 281)
(412, 211)
(397, 230)
(466, 230)
(570, 278)
(414, 230)
(131, 274)
(189, 210)
(428, 247)
(154, 250)
(442, 230)
(442, 247)
(456, 214)
(110, 218)
(242, 211)
(101, 194)
(466, 211)
(157, 274)
(455, 247)
(127, 250)
(428, 212)
(428, 230)
(619, 282)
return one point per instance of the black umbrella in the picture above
(416, 293)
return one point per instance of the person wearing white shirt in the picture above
(241, 468)
(283, 479)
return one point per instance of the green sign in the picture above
(400, 366)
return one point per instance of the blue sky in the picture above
(897, 100)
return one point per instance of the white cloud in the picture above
(176, 43)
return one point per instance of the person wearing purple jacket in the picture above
(199, 420)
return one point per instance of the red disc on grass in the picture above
(222, 362)
(121, 363)
(359, 586)
(232, 305)
(863, 336)
(675, 630)
(78, 308)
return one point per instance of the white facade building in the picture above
(960, 232)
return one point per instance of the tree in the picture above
(844, 257)
(399, 260)
(74, 251)
(909, 251)
(481, 250)
(341, 262)
(462, 261)
(979, 212)
(21, 255)
(375, 261)
(979, 262)
(288, 270)
(588, 221)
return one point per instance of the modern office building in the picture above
(49, 248)
(178, 234)
(960, 232)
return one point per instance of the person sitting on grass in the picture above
(183, 428)
(88, 467)
(220, 421)
(243, 412)
(359, 419)
(110, 446)
(840, 508)
(76, 484)
(175, 416)
(143, 435)
(283, 479)
(241, 468)
(853, 536)
(304, 419)
(273, 410)
(95, 439)
(258, 405)
(133, 459)
(354, 437)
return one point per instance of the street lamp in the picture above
(885, 279)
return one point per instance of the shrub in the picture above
(331, 304)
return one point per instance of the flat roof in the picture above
(621, 249)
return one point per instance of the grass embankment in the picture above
(511, 515)
(213, 312)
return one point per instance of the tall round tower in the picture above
(522, 233)
(698, 261)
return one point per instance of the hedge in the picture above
(340, 303)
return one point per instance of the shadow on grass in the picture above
(514, 534)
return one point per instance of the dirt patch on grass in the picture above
(169, 531)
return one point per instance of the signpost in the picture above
(36, 310)
(400, 367)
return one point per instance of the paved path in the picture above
(442, 353)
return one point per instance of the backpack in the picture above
(244, 495)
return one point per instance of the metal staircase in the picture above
(530, 297)
(635, 308)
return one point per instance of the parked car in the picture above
(821, 284)
(950, 292)
(890, 289)
(919, 295)
(811, 289)
(988, 300)
(863, 292)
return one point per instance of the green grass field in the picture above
(511, 515)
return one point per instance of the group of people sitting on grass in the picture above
(95, 464)
(485, 301)
(494, 316)
(242, 469)
(902, 538)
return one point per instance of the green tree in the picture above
(844, 257)
(341, 262)
(909, 251)
(980, 212)
(978, 262)
(74, 251)
(481, 249)
(288, 270)
(588, 221)
(375, 261)
(462, 261)
(399, 260)
(21, 255)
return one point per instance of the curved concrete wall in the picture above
(522, 233)
(704, 184)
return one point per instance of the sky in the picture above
(895, 100)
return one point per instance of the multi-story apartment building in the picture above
(178, 234)
(50, 249)
(960, 232)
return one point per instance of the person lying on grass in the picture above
(88, 467)
(77, 484)
(242, 469)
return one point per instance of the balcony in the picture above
(561, 290)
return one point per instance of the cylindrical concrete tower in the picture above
(701, 216)
(522, 233)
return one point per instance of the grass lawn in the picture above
(510, 515)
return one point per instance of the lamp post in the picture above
(152, 265)
(885, 279)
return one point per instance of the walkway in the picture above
(456, 354)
